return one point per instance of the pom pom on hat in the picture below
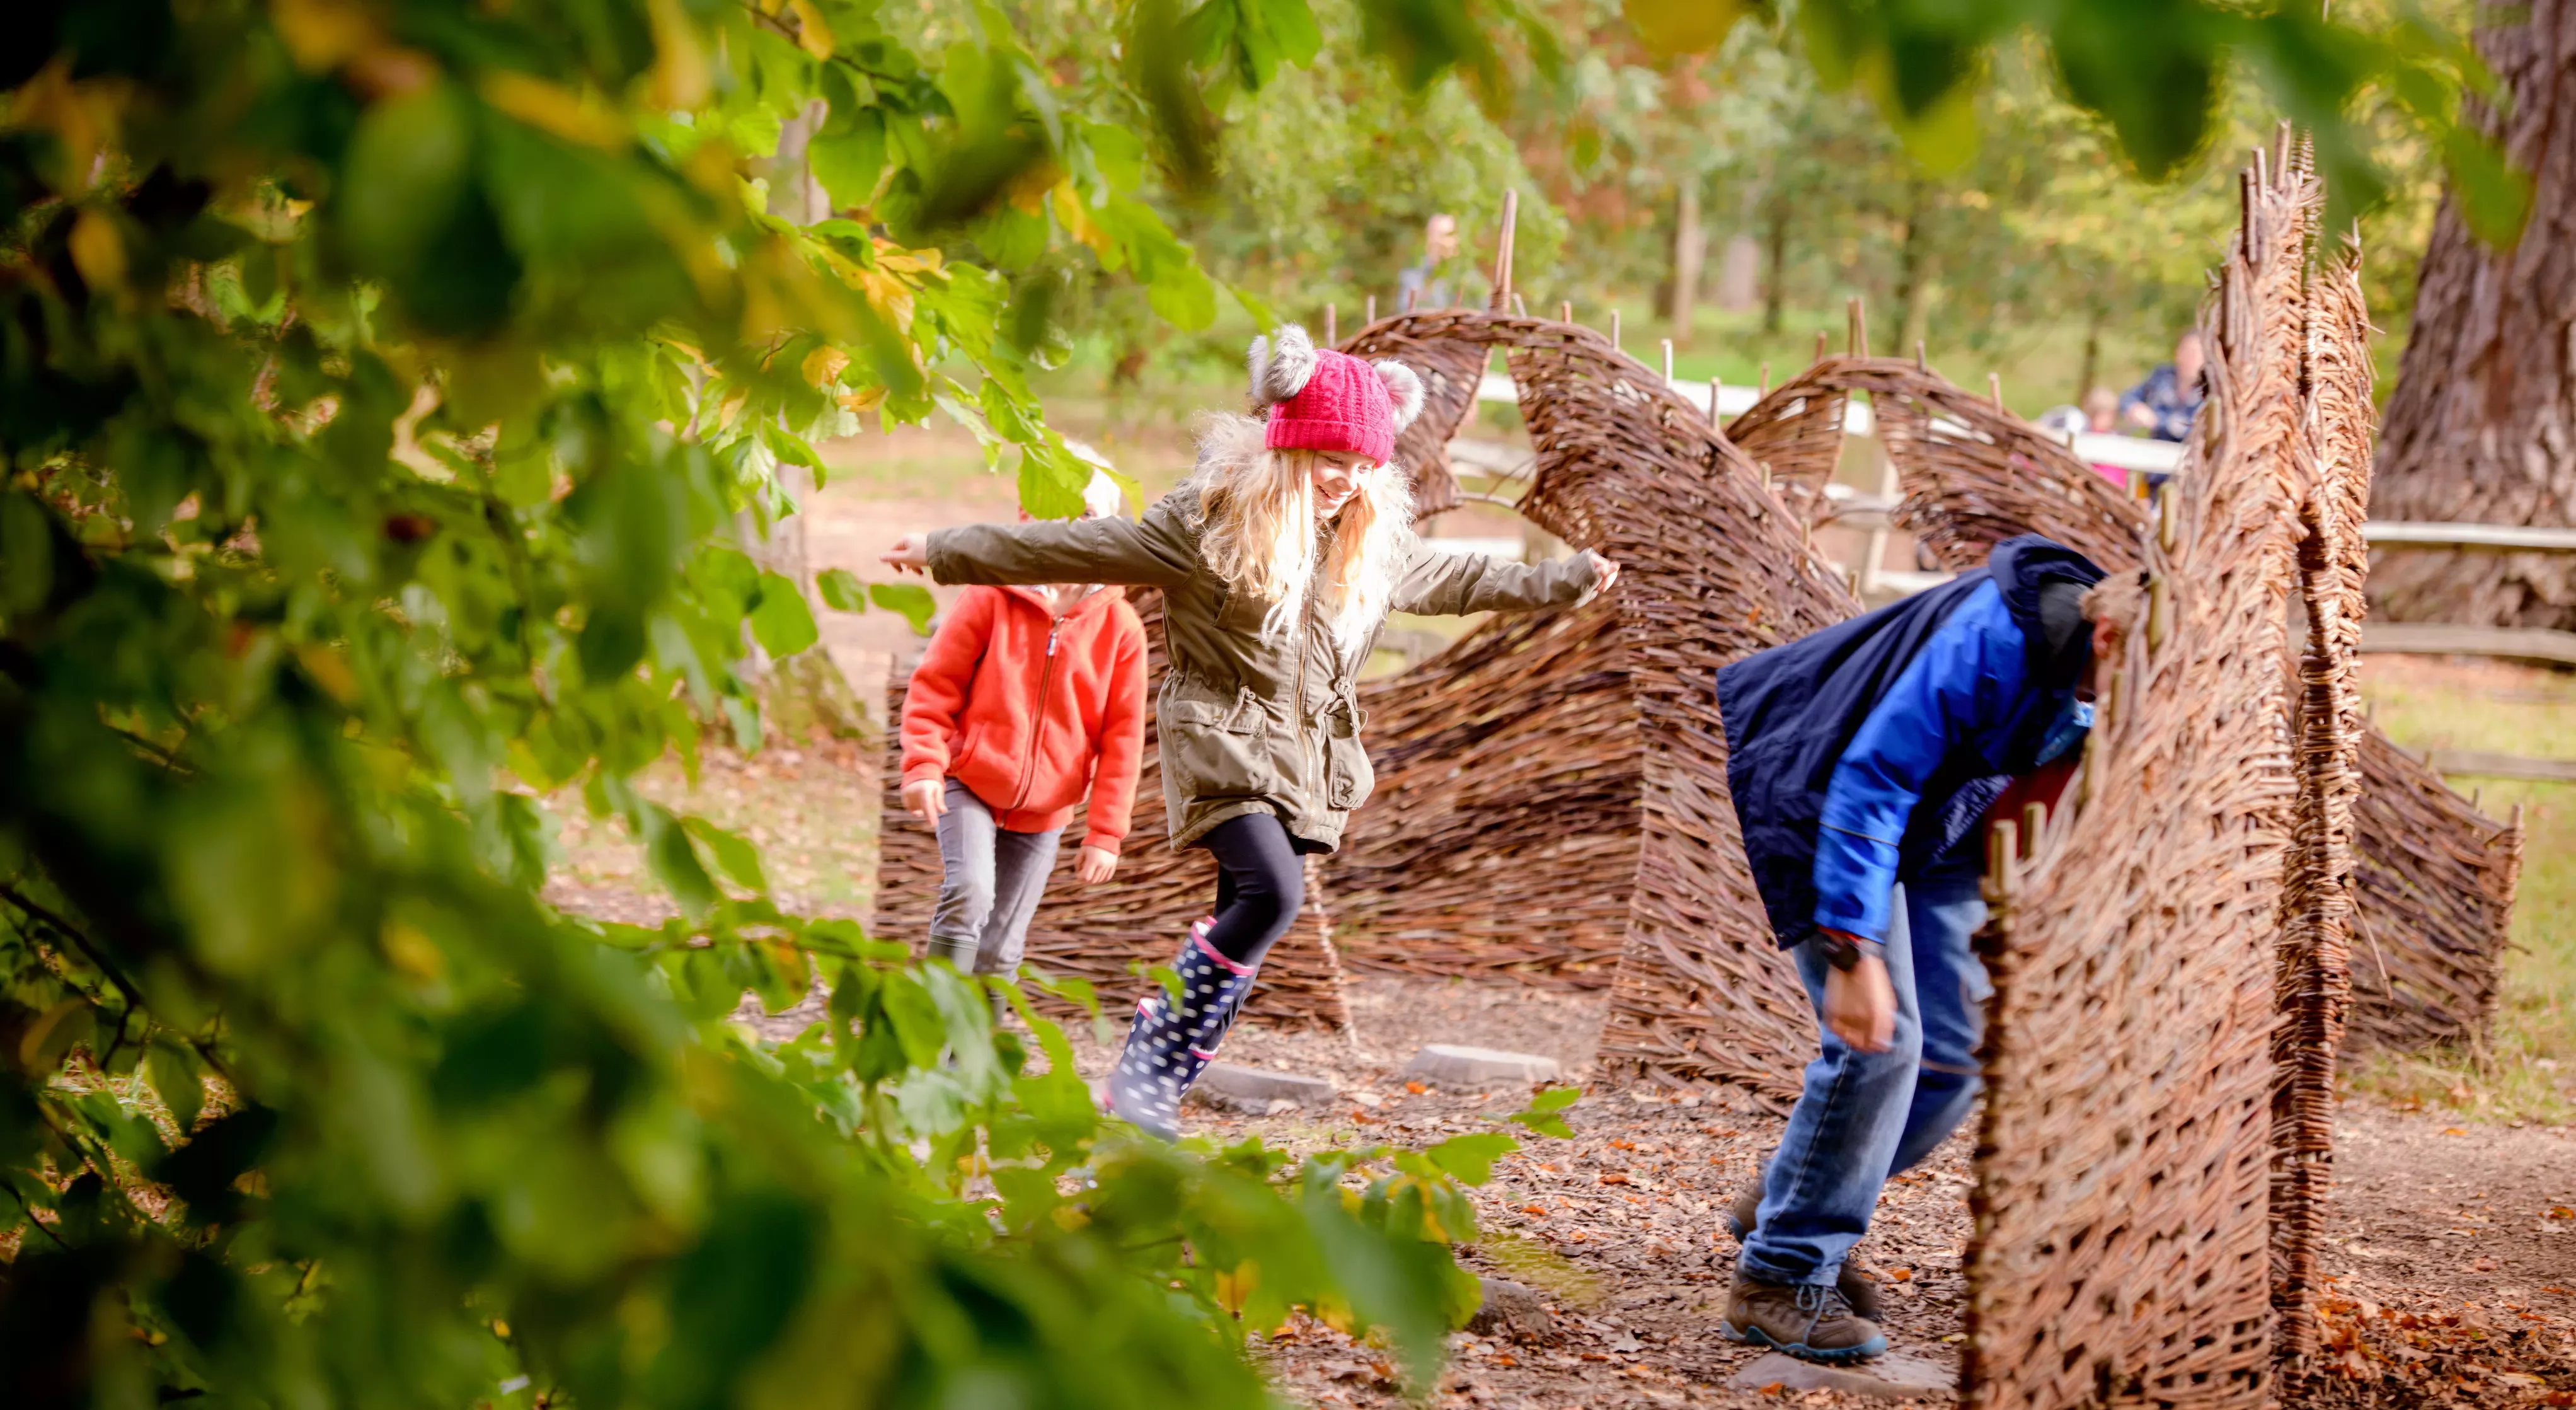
(1281, 365)
(1403, 387)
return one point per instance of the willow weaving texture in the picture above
(1139, 916)
(2120, 1248)
(1552, 790)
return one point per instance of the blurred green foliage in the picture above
(382, 386)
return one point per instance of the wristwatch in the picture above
(1844, 952)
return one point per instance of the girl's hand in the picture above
(1095, 865)
(910, 554)
(927, 799)
(1604, 573)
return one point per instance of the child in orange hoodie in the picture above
(1026, 699)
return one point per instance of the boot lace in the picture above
(1824, 1300)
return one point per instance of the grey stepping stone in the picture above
(1894, 1376)
(1515, 1311)
(1258, 1086)
(1461, 1066)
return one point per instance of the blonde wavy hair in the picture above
(1257, 531)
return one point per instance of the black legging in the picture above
(1260, 883)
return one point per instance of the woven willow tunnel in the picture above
(1552, 790)
(2436, 878)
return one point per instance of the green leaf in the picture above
(172, 1071)
(1541, 1113)
(737, 858)
(780, 620)
(911, 601)
(1470, 1158)
(841, 590)
(674, 862)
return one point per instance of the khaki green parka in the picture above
(1247, 725)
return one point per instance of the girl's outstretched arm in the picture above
(1157, 552)
(1439, 584)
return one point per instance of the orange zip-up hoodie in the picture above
(1028, 709)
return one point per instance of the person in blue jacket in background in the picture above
(1862, 759)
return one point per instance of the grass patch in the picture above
(1526, 1260)
(2527, 1071)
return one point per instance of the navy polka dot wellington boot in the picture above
(1168, 1048)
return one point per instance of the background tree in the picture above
(2482, 425)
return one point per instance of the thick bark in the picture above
(1689, 244)
(2482, 426)
(1912, 253)
(1776, 264)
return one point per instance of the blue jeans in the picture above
(1865, 1116)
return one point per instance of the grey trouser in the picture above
(989, 886)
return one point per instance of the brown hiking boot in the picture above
(1807, 1320)
(1859, 1281)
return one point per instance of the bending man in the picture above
(1862, 760)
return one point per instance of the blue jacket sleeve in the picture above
(1955, 693)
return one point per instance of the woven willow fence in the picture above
(2123, 1226)
(2436, 877)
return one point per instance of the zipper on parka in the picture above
(1037, 737)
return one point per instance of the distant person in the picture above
(2098, 416)
(1423, 285)
(1028, 700)
(1862, 760)
(2164, 404)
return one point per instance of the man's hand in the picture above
(910, 554)
(1860, 1003)
(926, 800)
(1094, 865)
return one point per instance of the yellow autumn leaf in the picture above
(1682, 26)
(98, 252)
(896, 257)
(1234, 1288)
(679, 60)
(79, 115)
(1076, 218)
(321, 34)
(823, 365)
(864, 399)
(812, 34)
(553, 108)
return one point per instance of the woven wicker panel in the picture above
(2312, 965)
(2436, 882)
(1550, 797)
(1491, 845)
(1794, 436)
(2120, 1245)
(1140, 915)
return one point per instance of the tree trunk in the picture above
(1689, 243)
(2090, 370)
(1775, 261)
(1910, 258)
(2482, 426)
